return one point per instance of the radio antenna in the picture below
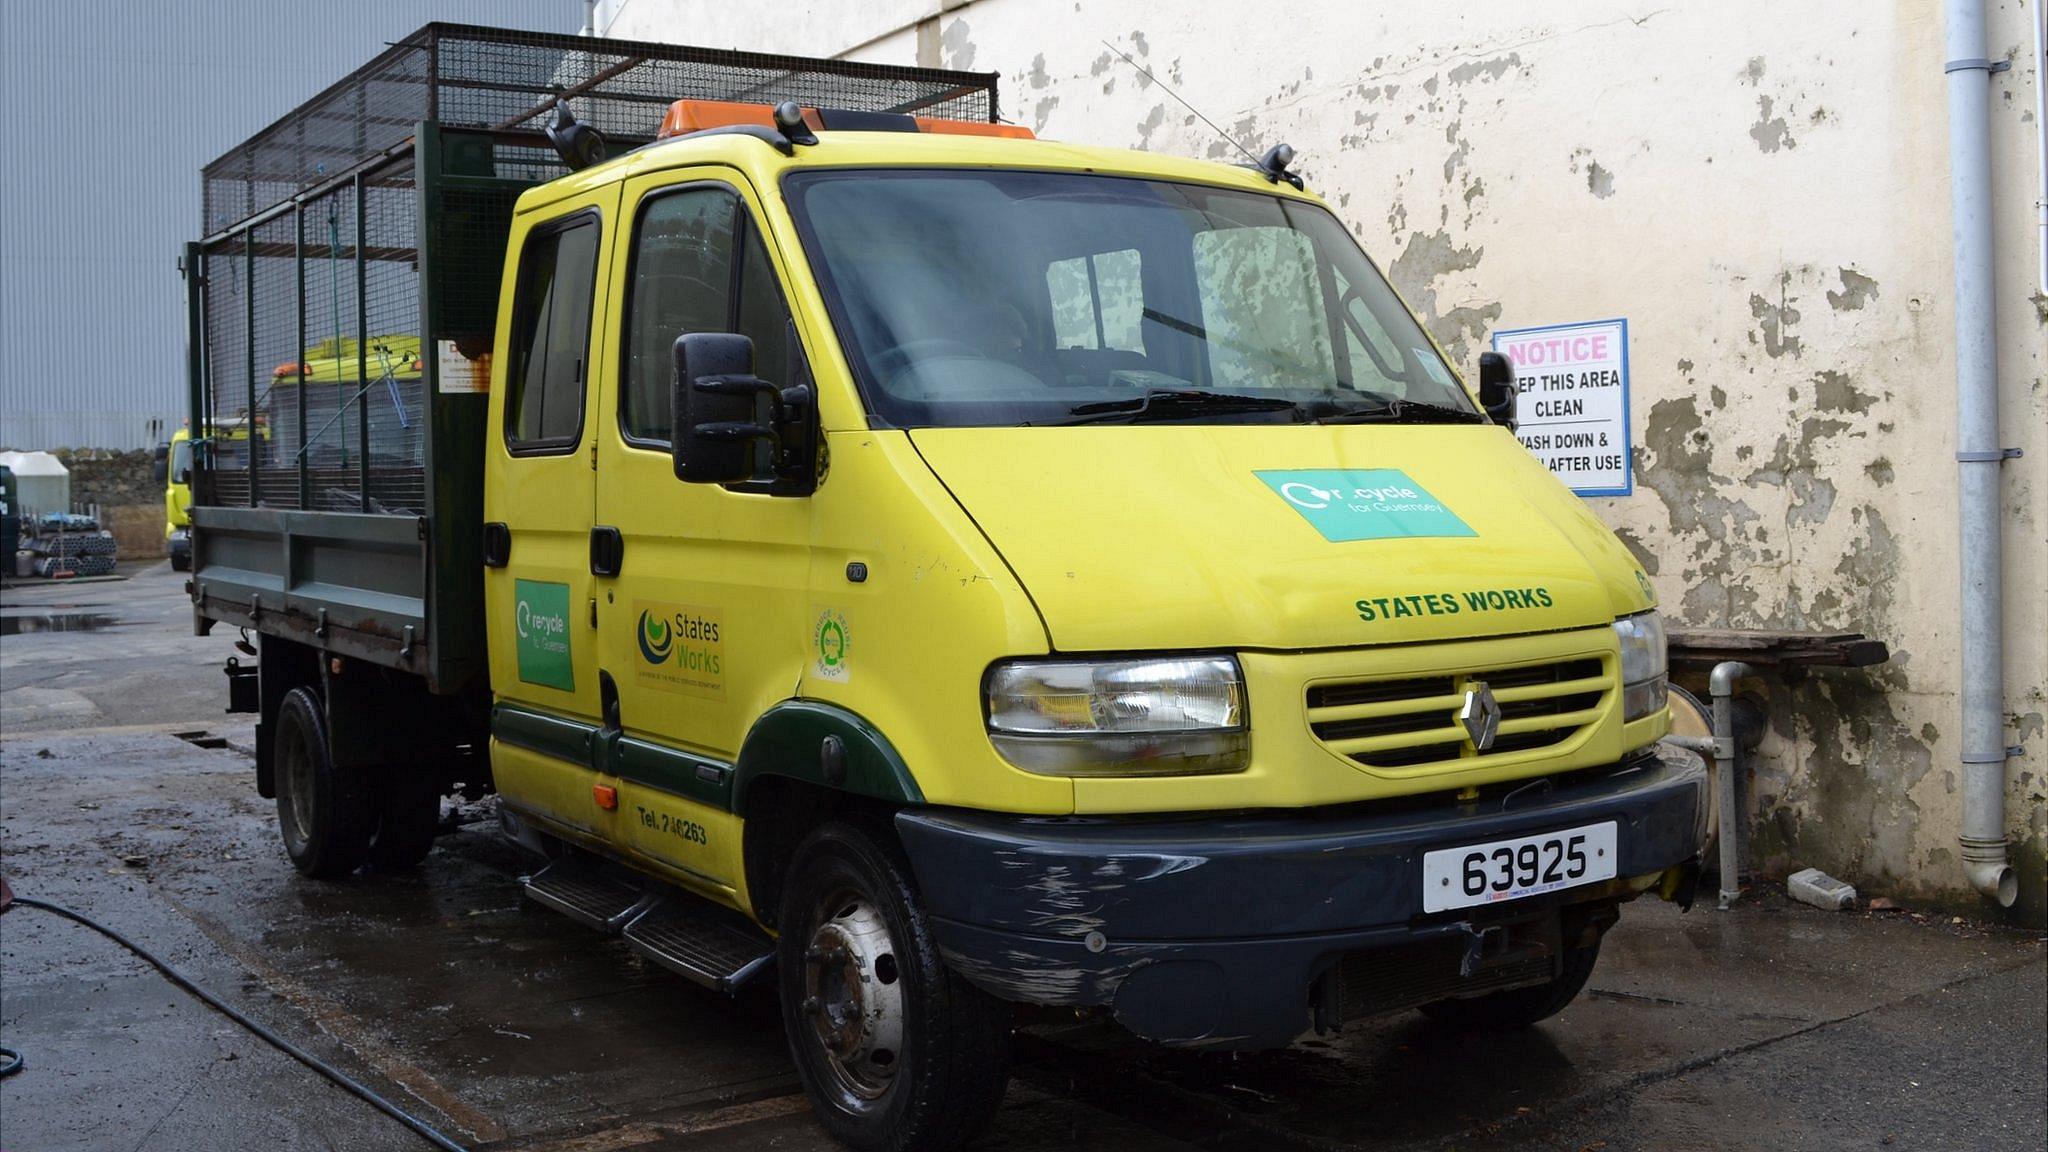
(1146, 73)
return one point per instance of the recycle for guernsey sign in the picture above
(1572, 411)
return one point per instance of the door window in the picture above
(551, 338)
(685, 279)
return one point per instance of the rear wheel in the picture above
(896, 1052)
(1519, 1007)
(408, 817)
(324, 812)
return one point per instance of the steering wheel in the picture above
(891, 361)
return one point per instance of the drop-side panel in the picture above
(348, 583)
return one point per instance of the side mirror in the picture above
(578, 144)
(1497, 388)
(718, 404)
(161, 471)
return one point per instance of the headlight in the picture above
(1642, 664)
(1158, 717)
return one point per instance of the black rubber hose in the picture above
(426, 1131)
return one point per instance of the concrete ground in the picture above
(1772, 1026)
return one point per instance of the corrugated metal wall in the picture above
(112, 107)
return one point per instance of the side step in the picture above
(700, 941)
(587, 895)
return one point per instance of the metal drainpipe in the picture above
(1978, 452)
(1721, 686)
(2040, 22)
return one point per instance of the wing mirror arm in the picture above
(786, 406)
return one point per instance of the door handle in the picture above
(497, 544)
(607, 551)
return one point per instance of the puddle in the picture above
(56, 622)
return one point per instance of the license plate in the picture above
(1511, 869)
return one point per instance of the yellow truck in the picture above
(174, 476)
(949, 575)
(173, 473)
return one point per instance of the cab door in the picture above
(539, 489)
(702, 627)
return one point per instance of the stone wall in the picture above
(124, 485)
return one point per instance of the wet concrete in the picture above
(107, 652)
(1772, 1026)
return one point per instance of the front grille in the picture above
(1412, 721)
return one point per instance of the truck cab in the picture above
(1011, 571)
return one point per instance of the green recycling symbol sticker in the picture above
(831, 641)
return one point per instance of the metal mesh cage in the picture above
(463, 76)
(318, 372)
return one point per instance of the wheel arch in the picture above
(796, 739)
(804, 762)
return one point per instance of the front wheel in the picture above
(897, 1053)
(1519, 1007)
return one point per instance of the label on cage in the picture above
(454, 372)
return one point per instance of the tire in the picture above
(324, 813)
(408, 813)
(917, 1058)
(181, 562)
(1518, 1007)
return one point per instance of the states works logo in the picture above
(657, 640)
(682, 647)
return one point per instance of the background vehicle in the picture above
(174, 472)
(943, 569)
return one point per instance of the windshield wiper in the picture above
(1398, 411)
(1174, 404)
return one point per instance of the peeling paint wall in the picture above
(1771, 214)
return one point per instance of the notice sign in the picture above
(458, 373)
(1572, 411)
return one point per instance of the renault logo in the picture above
(1480, 715)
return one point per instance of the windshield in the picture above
(1002, 298)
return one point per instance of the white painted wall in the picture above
(1761, 189)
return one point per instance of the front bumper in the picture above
(1211, 931)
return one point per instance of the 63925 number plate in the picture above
(1512, 869)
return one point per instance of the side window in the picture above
(1098, 301)
(685, 280)
(551, 337)
(1262, 306)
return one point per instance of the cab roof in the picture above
(765, 164)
